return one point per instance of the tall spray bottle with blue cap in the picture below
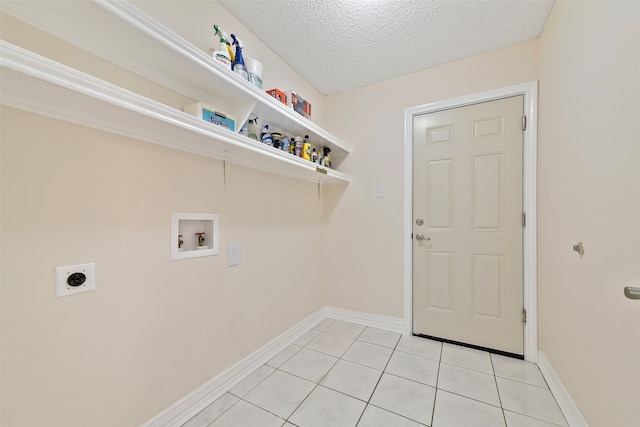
(238, 66)
(224, 54)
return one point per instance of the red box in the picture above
(279, 95)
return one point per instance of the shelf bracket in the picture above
(227, 167)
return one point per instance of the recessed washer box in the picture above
(198, 233)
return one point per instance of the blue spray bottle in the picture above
(265, 136)
(238, 66)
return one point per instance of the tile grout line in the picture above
(435, 396)
(339, 359)
(317, 384)
(262, 409)
(223, 412)
(368, 402)
(241, 398)
(300, 404)
(522, 383)
(495, 380)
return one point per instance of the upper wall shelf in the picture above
(34, 83)
(125, 36)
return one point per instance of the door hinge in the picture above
(524, 315)
(524, 122)
(524, 219)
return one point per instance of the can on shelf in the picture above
(298, 146)
(285, 143)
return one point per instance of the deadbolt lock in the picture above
(419, 221)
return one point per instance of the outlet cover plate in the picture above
(63, 289)
(234, 255)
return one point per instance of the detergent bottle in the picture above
(224, 55)
(237, 65)
(306, 148)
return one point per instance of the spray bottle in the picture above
(253, 127)
(224, 53)
(265, 136)
(238, 66)
(326, 158)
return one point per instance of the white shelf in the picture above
(34, 83)
(38, 84)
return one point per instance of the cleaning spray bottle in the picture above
(265, 136)
(224, 54)
(238, 66)
(326, 158)
(253, 128)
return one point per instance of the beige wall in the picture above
(589, 73)
(589, 190)
(367, 254)
(155, 329)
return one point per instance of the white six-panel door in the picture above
(467, 224)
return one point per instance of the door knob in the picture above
(629, 292)
(420, 236)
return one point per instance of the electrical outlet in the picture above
(75, 279)
(234, 255)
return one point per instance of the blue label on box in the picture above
(218, 119)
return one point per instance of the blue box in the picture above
(211, 115)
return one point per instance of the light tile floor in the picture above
(341, 374)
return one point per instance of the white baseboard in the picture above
(190, 405)
(392, 324)
(566, 403)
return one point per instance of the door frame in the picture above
(529, 198)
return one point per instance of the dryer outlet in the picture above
(75, 279)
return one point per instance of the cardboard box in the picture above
(298, 104)
(211, 115)
(279, 95)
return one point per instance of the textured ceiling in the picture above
(337, 45)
